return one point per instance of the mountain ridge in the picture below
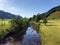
(54, 13)
(7, 15)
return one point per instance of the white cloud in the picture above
(13, 10)
(3, 3)
(5, 6)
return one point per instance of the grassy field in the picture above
(50, 34)
(4, 26)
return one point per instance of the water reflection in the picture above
(30, 38)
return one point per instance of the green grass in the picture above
(50, 34)
(4, 26)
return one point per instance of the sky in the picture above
(27, 8)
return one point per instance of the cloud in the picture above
(5, 6)
(13, 10)
(3, 3)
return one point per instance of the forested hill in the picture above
(6, 15)
(54, 13)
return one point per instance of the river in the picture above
(31, 37)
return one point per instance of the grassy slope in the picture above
(55, 15)
(50, 34)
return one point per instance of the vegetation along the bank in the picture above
(12, 27)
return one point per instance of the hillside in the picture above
(54, 13)
(6, 15)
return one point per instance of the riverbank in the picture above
(35, 26)
(50, 33)
(12, 28)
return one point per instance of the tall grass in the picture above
(4, 26)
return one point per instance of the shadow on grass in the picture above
(50, 25)
(49, 22)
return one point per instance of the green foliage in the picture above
(4, 26)
(18, 27)
(44, 18)
(18, 24)
(13, 26)
(30, 19)
(44, 21)
(39, 16)
(53, 13)
(34, 18)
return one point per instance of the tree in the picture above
(44, 19)
(39, 17)
(30, 19)
(34, 18)
(17, 29)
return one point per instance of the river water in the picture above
(31, 37)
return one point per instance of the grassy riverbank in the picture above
(50, 34)
(35, 26)
(14, 27)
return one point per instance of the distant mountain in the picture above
(6, 15)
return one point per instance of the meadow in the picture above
(50, 33)
(4, 26)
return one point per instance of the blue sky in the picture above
(27, 8)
